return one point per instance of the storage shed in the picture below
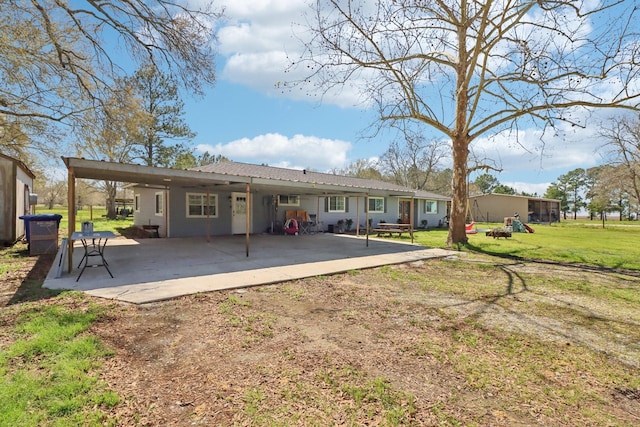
(496, 207)
(16, 184)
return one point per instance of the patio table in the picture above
(93, 249)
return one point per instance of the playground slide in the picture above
(529, 229)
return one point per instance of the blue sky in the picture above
(247, 118)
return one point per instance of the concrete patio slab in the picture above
(149, 270)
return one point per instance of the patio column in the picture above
(357, 215)
(411, 217)
(208, 216)
(71, 215)
(248, 223)
(366, 218)
(165, 209)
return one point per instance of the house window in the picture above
(288, 200)
(136, 203)
(376, 204)
(430, 206)
(198, 205)
(336, 204)
(159, 205)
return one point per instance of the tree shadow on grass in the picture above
(583, 266)
(31, 287)
(553, 315)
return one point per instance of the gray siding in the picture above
(263, 213)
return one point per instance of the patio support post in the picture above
(318, 212)
(366, 220)
(357, 215)
(248, 223)
(208, 216)
(165, 210)
(411, 217)
(71, 215)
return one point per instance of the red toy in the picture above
(291, 227)
(468, 228)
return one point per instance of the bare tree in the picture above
(470, 68)
(414, 162)
(56, 62)
(623, 149)
(51, 191)
(361, 168)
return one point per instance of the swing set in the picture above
(470, 228)
(511, 221)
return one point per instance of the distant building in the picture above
(16, 184)
(495, 207)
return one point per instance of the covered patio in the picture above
(252, 184)
(148, 270)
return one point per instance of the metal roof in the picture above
(144, 175)
(235, 174)
(312, 179)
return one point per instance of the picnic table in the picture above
(390, 228)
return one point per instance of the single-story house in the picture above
(496, 207)
(274, 194)
(16, 184)
(238, 198)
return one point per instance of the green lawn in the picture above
(95, 215)
(615, 246)
(49, 367)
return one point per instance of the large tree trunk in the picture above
(460, 148)
(111, 188)
(457, 233)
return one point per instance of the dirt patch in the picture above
(225, 358)
(511, 348)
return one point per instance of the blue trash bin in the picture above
(42, 233)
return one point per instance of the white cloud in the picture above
(297, 152)
(529, 188)
(259, 44)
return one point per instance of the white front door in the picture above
(238, 213)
